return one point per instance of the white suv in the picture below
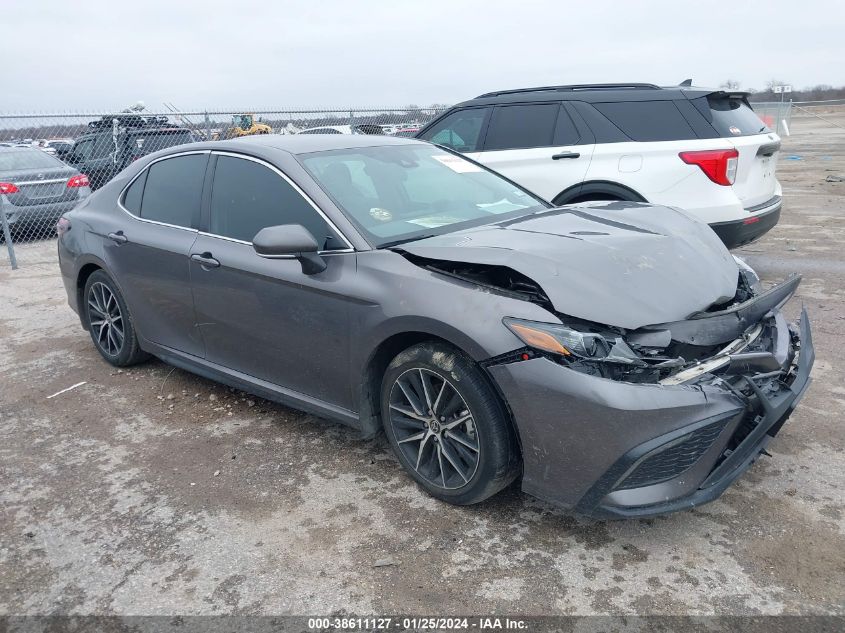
(702, 150)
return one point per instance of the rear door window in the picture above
(522, 126)
(248, 196)
(103, 146)
(731, 116)
(648, 120)
(173, 191)
(460, 130)
(82, 149)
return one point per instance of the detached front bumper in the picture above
(617, 449)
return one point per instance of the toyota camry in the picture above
(612, 356)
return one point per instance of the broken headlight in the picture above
(606, 353)
(556, 338)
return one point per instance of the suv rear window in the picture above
(648, 120)
(143, 143)
(732, 116)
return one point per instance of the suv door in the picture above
(538, 146)
(147, 249)
(265, 317)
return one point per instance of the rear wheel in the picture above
(446, 424)
(109, 321)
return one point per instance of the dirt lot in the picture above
(152, 491)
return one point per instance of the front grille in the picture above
(671, 460)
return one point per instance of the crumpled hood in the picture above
(616, 263)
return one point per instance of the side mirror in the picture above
(290, 240)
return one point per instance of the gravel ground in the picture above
(153, 491)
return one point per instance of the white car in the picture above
(362, 128)
(51, 145)
(702, 150)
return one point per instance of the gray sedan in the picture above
(36, 189)
(612, 356)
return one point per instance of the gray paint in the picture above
(616, 263)
(308, 340)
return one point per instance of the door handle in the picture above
(118, 237)
(205, 260)
(566, 155)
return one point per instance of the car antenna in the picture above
(686, 82)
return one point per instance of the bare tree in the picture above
(730, 84)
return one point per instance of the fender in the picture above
(593, 187)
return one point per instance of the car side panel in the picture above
(266, 318)
(151, 269)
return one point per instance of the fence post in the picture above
(207, 127)
(8, 237)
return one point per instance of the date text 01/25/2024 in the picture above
(417, 623)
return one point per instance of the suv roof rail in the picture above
(573, 88)
(130, 121)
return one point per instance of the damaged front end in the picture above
(732, 338)
(627, 422)
(746, 335)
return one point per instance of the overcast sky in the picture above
(98, 54)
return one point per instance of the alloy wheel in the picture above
(434, 428)
(105, 319)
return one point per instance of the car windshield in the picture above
(404, 192)
(25, 158)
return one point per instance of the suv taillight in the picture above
(719, 165)
(78, 181)
(8, 187)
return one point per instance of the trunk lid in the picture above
(40, 186)
(732, 117)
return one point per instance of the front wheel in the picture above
(109, 322)
(446, 424)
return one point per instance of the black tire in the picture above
(120, 351)
(594, 197)
(488, 429)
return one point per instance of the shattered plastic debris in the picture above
(385, 562)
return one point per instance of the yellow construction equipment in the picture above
(246, 125)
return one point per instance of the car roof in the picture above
(306, 143)
(7, 149)
(589, 92)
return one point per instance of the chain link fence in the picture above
(777, 115)
(49, 163)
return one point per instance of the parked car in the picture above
(702, 150)
(36, 189)
(407, 132)
(104, 152)
(362, 128)
(613, 354)
(56, 145)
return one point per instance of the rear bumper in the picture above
(38, 214)
(735, 233)
(615, 449)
